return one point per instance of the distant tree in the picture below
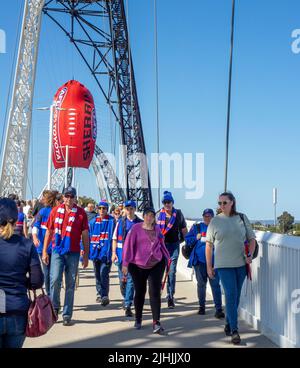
(286, 221)
(84, 201)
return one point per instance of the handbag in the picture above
(186, 250)
(256, 250)
(41, 315)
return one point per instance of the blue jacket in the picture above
(41, 224)
(198, 252)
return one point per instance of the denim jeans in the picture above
(173, 249)
(128, 292)
(232, 280)
(12, 331)
(102, 270)
(46, 272)
(68, 263)
(201, 276)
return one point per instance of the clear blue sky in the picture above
(193, 64)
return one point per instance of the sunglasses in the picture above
(167, 202)
(102, 208)
(223, 203)
(69, 196)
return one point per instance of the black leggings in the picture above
(140, 277)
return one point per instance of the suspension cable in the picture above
(229, 93)
(157, 98)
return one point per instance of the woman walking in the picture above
(227, 233)
(18, 257)
(145, 257)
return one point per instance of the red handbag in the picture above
(41, 315)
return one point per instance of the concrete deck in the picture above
(102, 327)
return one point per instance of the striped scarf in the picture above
(162, 221)
(63, 243)
(101, 238)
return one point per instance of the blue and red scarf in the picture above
(63, 241)
(101, 238)
(161, 221)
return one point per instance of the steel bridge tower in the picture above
(108, 57)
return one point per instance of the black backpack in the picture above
(186, 250)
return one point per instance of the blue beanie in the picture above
(103, 203)
(8, 211)
(167, 197)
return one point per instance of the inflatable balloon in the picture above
(74, 125)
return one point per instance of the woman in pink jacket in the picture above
(145, 256)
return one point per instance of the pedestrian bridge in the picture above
(270, 310)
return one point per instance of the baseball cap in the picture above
(70, 190)
(208, 211)
(130, 204)
(149, 210)
(8, 211)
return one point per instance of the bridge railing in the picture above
(271, 301)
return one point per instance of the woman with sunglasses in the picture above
(145, 257)
(18, 257)
(227, 233)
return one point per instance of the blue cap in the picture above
(8, 211)
(103, 203)
(70, 190)
(130, 203)
(208, 211)
(167, 197)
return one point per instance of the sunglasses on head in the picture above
(223, 203)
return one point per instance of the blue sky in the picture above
(193, 79)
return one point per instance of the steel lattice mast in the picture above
(108, 57)
(16, 151)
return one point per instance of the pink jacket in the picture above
(137, 247)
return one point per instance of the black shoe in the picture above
(235, 338)
(98, 299)
(128, 312)
(67, 321)
(56, 311)
(157, 329)
(138, 325)
(220, 314)
(171, 304)
(104, 301)
(227, 330)
(201, 311)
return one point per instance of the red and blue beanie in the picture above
(167, 197)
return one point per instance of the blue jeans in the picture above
(232, 280)
(68, 263)
(173, 249)
(46, 272)
(128, 292)
(201, 276)
(102, 270)
(12, 331)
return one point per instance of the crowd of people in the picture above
(47, 239)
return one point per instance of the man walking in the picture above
(66, 226)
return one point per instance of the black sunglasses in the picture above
(223, 203)
(102, 208)
(69, 196)
(167, 202)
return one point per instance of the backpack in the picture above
(256, 250)
(186, 250)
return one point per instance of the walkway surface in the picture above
(101, 327)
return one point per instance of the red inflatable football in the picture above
(74, 125)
